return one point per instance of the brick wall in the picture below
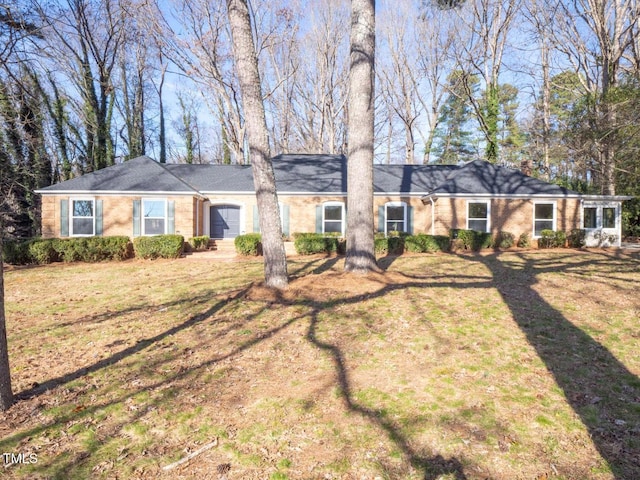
(50, 216)
(117, 214)
(509, 215)
(515, 216)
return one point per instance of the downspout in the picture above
(433, 216)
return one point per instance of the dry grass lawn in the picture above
(513, 365)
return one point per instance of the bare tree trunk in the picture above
(163, 135)
(275, 262)
(360, 249)
(6, 394)
(546, 108)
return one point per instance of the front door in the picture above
(225, 221)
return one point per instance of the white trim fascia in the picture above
(502, 195)
(115, 192)
(607, 198)
(599, 198)
(283, 194)
(400, 194)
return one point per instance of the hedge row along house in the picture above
(144, 197)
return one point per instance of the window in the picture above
(333, 217)
(396, 217)
(608, 217)
(590, 217)
(154, 216)
(82, 218)
(478, 216)
(544, 218)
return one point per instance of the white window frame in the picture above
(342, 215)
(554, 220)
(600, 235)
(590, 207)
(71, 216)
(404, 216)
(488, 219)
(143, 218)
(599, 208)
(615, 217)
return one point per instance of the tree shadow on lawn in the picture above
(587, 372)
(136, 348)
(72, 465)
(433, 466)
(597, 386)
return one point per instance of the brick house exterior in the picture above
(143, 197)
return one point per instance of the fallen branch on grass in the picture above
(204, 448)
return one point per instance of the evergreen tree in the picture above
(454, 141)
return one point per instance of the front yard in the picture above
(513, 365)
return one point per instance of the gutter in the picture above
(608, 198)
(117, 193)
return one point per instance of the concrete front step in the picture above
(222, 245)
(227, 246)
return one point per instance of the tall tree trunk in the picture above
(6, 393)
(275, 261)
(546, 109)
(162, 135)
(360, 228)
(492, 113)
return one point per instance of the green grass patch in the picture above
(442, 366)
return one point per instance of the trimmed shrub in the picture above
(551, 239)
(312, 243)
(381, 245)
(547, 238)
(16, 252)
(393, 245)
(334, 244)
(86, 249)
(93, 249)
(309, 244)
(524, 241)
(470, 239)
(576, 238)
(396, 244)
(159, 246)
(504, 240)
(43, 252)
(117, 248)
(249, 244)
(199, 243)
(69, 249)
(423, 243)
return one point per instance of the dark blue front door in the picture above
(225, 221)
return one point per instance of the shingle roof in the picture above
(418, 179)
(313, 174)
(141, 174)
(483, 178)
